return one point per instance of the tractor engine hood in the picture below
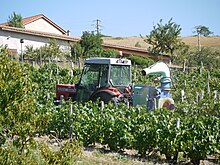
(67, 90)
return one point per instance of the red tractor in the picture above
(107, 79)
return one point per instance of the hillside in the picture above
(191, 41)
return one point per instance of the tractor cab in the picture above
(104, 78)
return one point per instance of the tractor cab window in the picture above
(94, 75)
(120, 75)
(103, 76)
(88, 82)
(90, 75)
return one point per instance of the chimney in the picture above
(68, 33)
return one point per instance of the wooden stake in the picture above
(182, 95)
(215, 94)
(79, 64)
(71, 72)
(102, 105)
(178, 123)
(71, 121)
(61, 99)
(51, 73)
(72, 65)
(197, 97)
(184, 66)
(135, 72)
(201, 95)
(208, 87)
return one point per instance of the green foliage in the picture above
(41, 153)
(66, 154)
(31, 53)
(51, 51)
(164, 38)
(48, 52)
(76, 51)
(210, 58)
(46, 77)
(202, 30)
(145, 131)
(141, 60)
(17, 104)
(3, 50)
(15, 20)
(117, 128)
(110, 53)
(181, 54)
(200, 136)
(169, 135)
(91, 44)
(26, 104)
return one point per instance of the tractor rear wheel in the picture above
(106, 98)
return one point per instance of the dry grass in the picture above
(95, 156)
(191, 41)
(205, 41)
(129, 157)
(126, 41)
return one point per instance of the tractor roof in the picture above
(111, 61)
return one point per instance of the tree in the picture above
(92, 44)
(31, 53)
(48, 52)
(201, 31)
(164, 38)
(18, 120)
(15, 20)
(110, 53)
(209, 57)
(51, 51)
(76, 51)
(181, 54)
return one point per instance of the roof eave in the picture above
(36, 33)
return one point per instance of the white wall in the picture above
(42, 26)
(12, 39)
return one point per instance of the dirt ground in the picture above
(101, 155)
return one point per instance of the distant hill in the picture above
(134, 41)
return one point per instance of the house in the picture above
(39, 29)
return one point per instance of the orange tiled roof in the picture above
(28, 20)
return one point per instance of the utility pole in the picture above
(199, 44)
(22, 56)
(98, 26)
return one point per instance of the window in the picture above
(104, 75)
(120, 75)
(90, 75)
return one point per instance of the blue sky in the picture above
(119, 18)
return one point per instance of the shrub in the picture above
(141, 60)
